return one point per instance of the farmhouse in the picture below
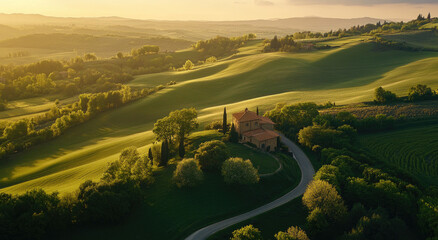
(256, 129)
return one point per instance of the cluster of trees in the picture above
(147, 49)
(221, 46)
(285, 44)
(25, 133)
(18, 54)
(350, 198)
(212, 156)
(419, 92)
(250, 232)
(38, 215)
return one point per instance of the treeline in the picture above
(354, 196)
(89, 74)
(285, 44)
(416, 93)
(40, 215)
(221, 46)
(23, 134)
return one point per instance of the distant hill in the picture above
(191, 30)
(90, 43)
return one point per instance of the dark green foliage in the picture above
(383, 96)
(221, 46)
(285, 44)
(420, 92)
(150, 156)
(181, 148)
(164, 158)
(234, 136)
(291, 118)
(211, 155)
(224, 122)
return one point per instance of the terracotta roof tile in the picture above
(261, 134)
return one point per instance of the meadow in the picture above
(346, 74)
(412, 148)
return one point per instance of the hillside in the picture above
(237, 82)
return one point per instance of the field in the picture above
(236, 82)
(414, 149)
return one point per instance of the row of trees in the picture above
(284, 44)
(39, 215)
(25, 133)
(419, 92)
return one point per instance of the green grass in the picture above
(347, 74)
(419, 39)
(270, 223)
(172, 213)
(413, 148)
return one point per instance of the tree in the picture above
(317, 135)
(237, 170)
(150, 156)
(188, 65)
(322, 196)
(420, 92)
(130, 167)
(383, 96)
(234, 136)
(183, 121)
(257, 111)
(211, 155)
(90, 57)
(247, 233)
(188, 173)
(293, 233)
(164, 158)
(428, 16)
(224, 122)
(16, 130)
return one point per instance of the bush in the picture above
(383, 96)
(236, 170)
(211, 155)
(247, 233)
(187, 173)
(216, 125)
(188, 65)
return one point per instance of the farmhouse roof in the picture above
(247, 115)
(261, 134)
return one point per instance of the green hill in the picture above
(418, 39)
(346, 74)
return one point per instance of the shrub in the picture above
(211, 155)
(188, 65)
(187, 173)
(383, 96)
(247, 233)
(216, 125)
(236, 170)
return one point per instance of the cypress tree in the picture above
(181, 149)
(428, 16)
(164, 153)
(234, 136)
(150, 156)
(257, 111)
(224, 121)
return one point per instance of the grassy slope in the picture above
(414, 149)
(421, 39)
(172, 213)
(346, 74)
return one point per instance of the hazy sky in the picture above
(223, 9)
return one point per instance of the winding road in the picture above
(307, 173)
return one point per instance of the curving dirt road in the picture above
(307, 173)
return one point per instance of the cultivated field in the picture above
(414, 149)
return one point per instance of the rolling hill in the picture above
(346, 74)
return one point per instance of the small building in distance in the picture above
(256, 129)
